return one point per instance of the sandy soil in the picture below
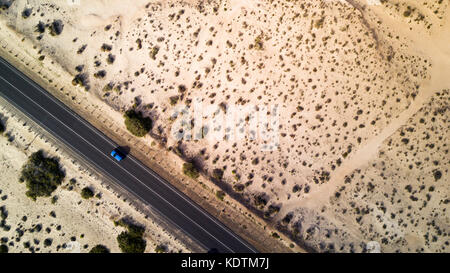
(347, 79)
(72, 223)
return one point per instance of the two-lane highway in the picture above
(85, 140)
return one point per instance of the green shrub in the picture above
(2, 127)
(160, 249)
(3, 249)
(260, 200)
(87, 193)
(220, 195)
(3, 213)
(190, 170)
(99, 249)
(437, 174)
(56, 27)
(259, 44)
(131, 241)
(174, 100)
(26, 13)
(5, 4)
(154, 52)
(48, 242)
(239, 187)
(42, 175)
(137, 124)
(217, 174)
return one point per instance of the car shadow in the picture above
(124, 151)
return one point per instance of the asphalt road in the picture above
(130, 174)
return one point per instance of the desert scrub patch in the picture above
(131, 241)
(99, 249)
(136, 123)
(154, 52)
(111, 58)
(87, 193)
(259, 42)
(238, 187)
(190, 170)
(42, 175)
(160, 249)
(174, 100)
(82, 80)
(260, 200)
(109, 87)
(26, 13)
(220, 195)
(319, 23)
(81, 49)
(100, 74)
(2, 127)
(217, 174)
(40, 27)
(56, 28)
(437, 174)
(106, 48)
(3, 249)
(5, 4)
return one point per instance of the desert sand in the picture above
(351, 148)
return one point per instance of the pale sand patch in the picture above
(347, 78)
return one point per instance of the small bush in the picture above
(136, 123)
(100, 74)
(260, 200)
(106, 48)
(154, 52)
(82, 80)
(3, 213)
(48, 242)
(87, 193)
(239, 187)
(56, 27)
(190, 170)
(42, 175)
(437, 174)
(220, 195)
(99, 249)
(5, 4)
(111, 58)
(259, 45)
(26, 13)
(131, 241)
(40, 27)
(174, 100)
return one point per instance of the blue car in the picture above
(117, 155)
